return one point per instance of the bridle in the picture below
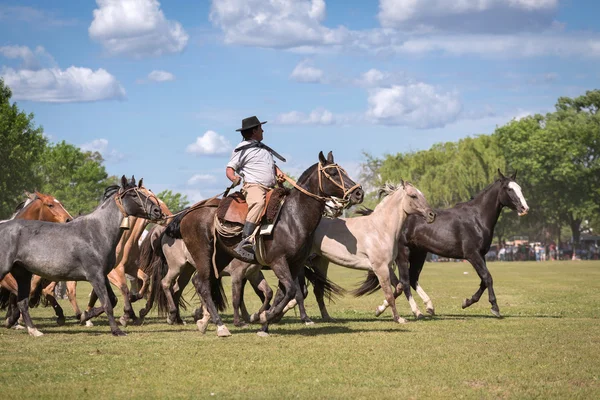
(139, 201)
(337, 202)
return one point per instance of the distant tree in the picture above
(21, 145)
(175, 201)
(77, 178)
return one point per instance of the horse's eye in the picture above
(50, 205)
(414, 196)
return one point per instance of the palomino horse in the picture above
(81, 250)
(168, 260)
(464, 231)
(369, 242)
(286, 249)
(41, 207)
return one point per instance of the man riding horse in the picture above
(253, 160)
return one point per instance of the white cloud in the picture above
(417, 105)
(377, 78)
(101, 146)
(32, 59)
(136, 28)
(274, 23)
(304, 72)
(160, 76)
(316, 117)
(201, 178)
(210, 144)
(492, 16)
(53, 85)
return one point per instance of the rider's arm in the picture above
(230, 172)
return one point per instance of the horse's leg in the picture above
(48, 291)
(141, 275)
(166, 284)
(72, 295)
(301, 293)
(322, 265)
(23, 278)
(285, 292)
(96, 311)
(117, 277)
(382, 271)
(13, 313)
(487, 282)
(109, 300)
(237, 272)
(262, 289)
(202, 284)
(182, 281)
(416, 263)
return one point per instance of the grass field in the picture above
(546, 346)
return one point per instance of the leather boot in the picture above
(245, 248)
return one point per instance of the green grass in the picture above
(546, 346)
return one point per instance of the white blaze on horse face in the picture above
(517, 189)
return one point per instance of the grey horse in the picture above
(83, 249)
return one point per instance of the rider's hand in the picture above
(237, 181)
(280, 177)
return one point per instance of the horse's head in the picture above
(134, 200)
(511, 195)
(335, 183)
(163, 206)
(51, 209)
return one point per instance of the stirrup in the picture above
(245, 250)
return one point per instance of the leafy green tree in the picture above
(77, 178)
(21, 145)
(175, 201)
(560, 153)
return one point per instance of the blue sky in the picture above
(160, 87)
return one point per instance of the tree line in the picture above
(30, 162)
(557, 156)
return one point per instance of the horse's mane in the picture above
(481, 193)
(386, 190)
(109, 191)
(306, 173)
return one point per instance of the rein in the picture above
(143, 203)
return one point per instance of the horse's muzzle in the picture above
(357, 196)
(155, 213)
(430, 217)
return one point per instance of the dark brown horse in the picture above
(40, 207)
(286, 248)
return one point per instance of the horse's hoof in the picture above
(139, 322)
(329, 319)
(34, 332)
(118, 332)
(170, 321)
(419, 316)
(465, 303)
(263, 317)
(430, 311)
(89, 323)
(254, 318)
(18, 327)
(202, 325)
(401, 320)
(496, 313)
(379, 310)
(262, 334)
(123, 321)
(222, 331)
(309, 323)
(83, 319)
(60, 321)
(241, 325)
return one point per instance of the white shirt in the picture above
(255, 165)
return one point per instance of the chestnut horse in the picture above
(41, 207)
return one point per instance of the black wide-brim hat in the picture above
(249, 123)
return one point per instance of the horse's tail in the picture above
(364, 211)
(331, 290)
(4, 296)
(369, 286)
(158, 269)
(144, 261)
(218, 293)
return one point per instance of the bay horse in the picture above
(286, 248)
(464, 232)
(83, 249)
(368, 242)
(40, 207)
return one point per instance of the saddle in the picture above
(234, 209)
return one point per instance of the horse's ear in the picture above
(132, 180)
(402, 183)
(140, 183)
(124, 181)
(322, 159)
(38, 194)
(330, 157)
(514, 175)
(29, 195)
(501, 175)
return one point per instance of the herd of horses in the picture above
(42, 244)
